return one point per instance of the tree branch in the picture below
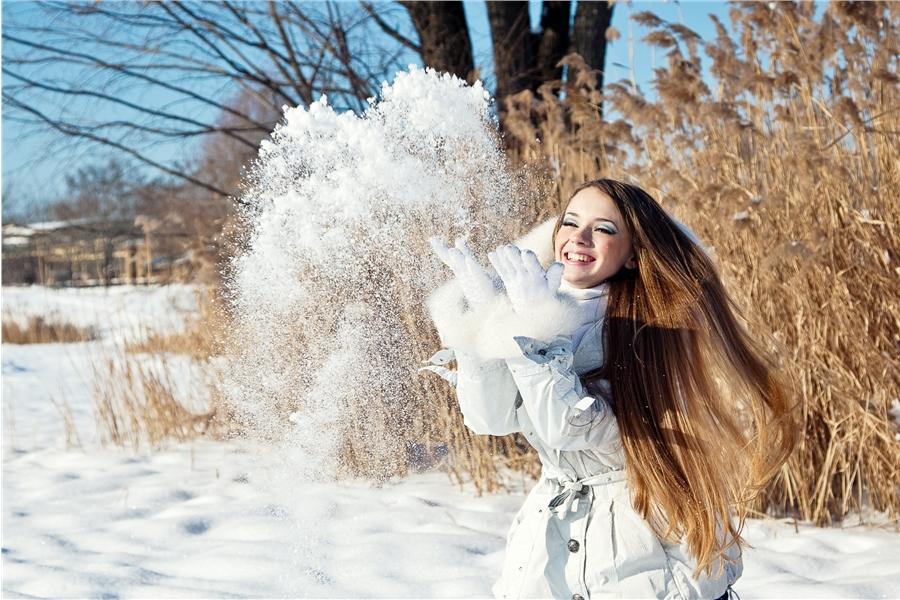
(75, 132)
(120, 101)
(367, 6)
(131, 73)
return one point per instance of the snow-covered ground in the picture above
(123, 311)
(215, 519)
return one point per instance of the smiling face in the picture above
(593, 242)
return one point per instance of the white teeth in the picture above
(574, 256)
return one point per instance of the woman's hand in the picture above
(477, 286)
(526, 282)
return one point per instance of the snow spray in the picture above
(336, 263)
(329, 288)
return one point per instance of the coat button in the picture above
(577, 597)
(573, 545)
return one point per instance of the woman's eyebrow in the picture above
(575, 214)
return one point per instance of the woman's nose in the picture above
(581, 235)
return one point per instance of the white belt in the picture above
(572, 489)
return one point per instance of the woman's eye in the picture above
(606, 230)
(569, 224)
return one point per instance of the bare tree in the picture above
(444, 42)
(523, 59)
(100, 191)
(132, 75)
(589, 31)
(136, 76)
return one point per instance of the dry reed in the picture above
(40, 331)
(141, 395)
(787, 169)
(200, 339)
(137, 402)
(73, 440)
(784, 163)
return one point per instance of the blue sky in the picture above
(34, 162)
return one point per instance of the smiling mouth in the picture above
(577, 258)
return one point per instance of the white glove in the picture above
(523, 276)
(477, 286)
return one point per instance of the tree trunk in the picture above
(443, 37)
(522, 59)
(592, 19)
(514, 47)
(553, 42)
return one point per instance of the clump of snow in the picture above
(337, 261)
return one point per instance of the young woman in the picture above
(654, 414)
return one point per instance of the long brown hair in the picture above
(704, 417)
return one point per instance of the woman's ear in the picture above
(631, 263)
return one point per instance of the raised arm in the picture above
(487, 395)
(563, 416)
(552, 395)
(485, 388)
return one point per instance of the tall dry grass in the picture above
(201, 339)
(139, 402)
(38, 330)
(73, 439)
(786, 165)
(162, 387)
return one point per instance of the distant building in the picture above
(86, 251)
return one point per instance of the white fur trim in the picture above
(691, 235)
(456, 326)
(487, 332)
(543, 321)
(540, 241)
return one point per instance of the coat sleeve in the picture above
(564, 418)
(487, 395)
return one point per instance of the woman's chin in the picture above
(581, 282)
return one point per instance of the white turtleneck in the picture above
(591, 305)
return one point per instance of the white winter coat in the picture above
(577, 534)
